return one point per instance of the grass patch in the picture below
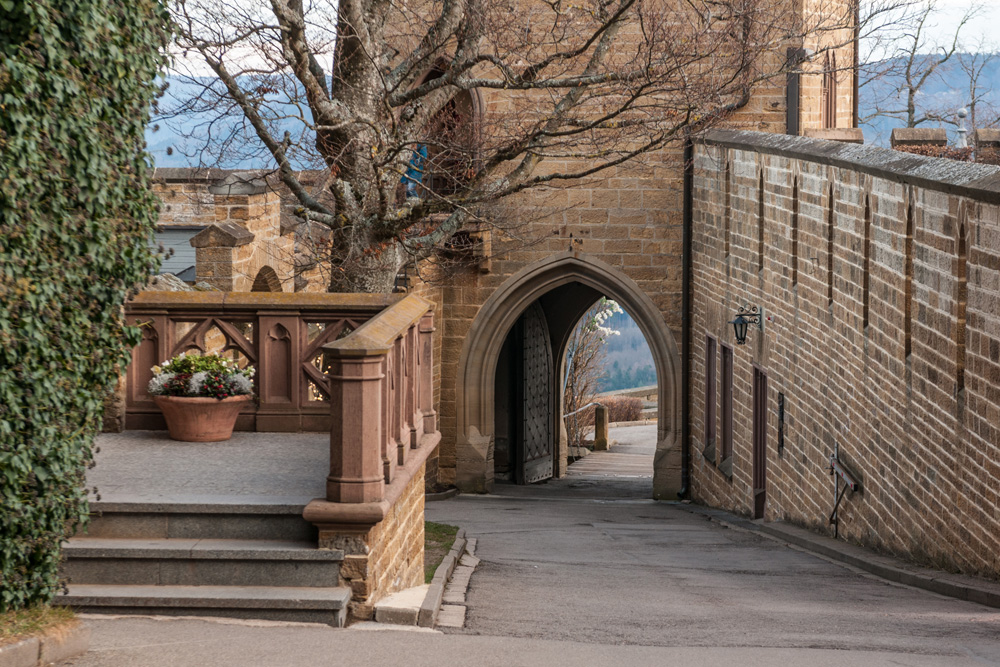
(24, 623)
(438, 538)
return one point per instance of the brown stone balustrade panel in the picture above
(281, 334)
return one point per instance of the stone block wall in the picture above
(628, 217)
(203, 199)
(880, 282)
(386, 558)
(826, 46)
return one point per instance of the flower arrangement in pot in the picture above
(201, 395)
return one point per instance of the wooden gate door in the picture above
(759, 442)
(536, 446)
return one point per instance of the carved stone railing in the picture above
(281, 335)
(383, 422)
(361, 366)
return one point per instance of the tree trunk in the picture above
(371, 273)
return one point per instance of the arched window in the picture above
(445, 159)
(266, 281)
(829, 91)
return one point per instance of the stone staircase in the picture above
(250, 560)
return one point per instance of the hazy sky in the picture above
(986, 25)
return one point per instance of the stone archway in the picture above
(267, 280)
(481, 350)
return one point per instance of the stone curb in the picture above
(47, 649)
(958, 586)
(432, 601)
(441, 495)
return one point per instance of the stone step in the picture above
(277, 603)
(197, 520)
(200, 562)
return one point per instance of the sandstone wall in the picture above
(882, 333)
(628, 217)
(230, 261)
(831, 48)
(386, 558)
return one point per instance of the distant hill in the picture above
(630, 363)
(179, 140)
(947, 89)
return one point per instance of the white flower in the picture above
(196, 383)
(156, 384)
(242, 384)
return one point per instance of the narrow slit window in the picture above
(961, 300)
(828, 94)
(711, 391)
(727, 215)
(830, 227)
(727, 403)
(908, 286)
(795, 232)
(866, 278)
(760, 222)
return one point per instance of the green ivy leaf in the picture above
(76, 212)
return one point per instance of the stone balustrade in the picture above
(282, 335)
(358, 365)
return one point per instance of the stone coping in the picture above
(182, 507)
(58, 644)
(377, 335)
(321, 511)
(244, 301)
(976, 181)
(214, 175)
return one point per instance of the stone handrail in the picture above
(282, 335)
(383, 423)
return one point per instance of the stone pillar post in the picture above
(356, 474)
(426, 379)
(601, 443)
(217, 250)
(918, 137)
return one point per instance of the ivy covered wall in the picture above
(76, 83)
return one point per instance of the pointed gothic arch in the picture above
(481, 350)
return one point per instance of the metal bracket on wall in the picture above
(839, 473)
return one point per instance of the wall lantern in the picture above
(745, 316)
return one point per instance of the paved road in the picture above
(594, 574)
(577, 559)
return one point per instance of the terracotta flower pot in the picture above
(200, 419)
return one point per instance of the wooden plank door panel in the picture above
(536, 404)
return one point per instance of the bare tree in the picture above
(421, 116)
(982, 100)
(904, 60)
(586, 355)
